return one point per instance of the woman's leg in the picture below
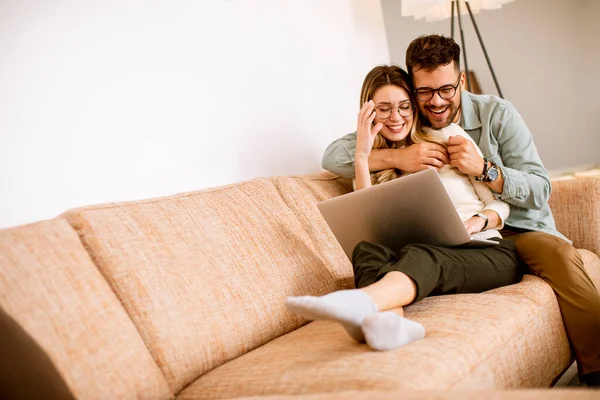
(350, 307)
(421, 270)
(394, 290)
(387, 281)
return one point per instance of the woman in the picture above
(387, 281)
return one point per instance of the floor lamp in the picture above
(435, 10)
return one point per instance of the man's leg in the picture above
(558, 263)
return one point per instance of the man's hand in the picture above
(464, 156)
(420, 156)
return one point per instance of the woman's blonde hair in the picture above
(377, 78)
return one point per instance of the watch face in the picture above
(492, 174)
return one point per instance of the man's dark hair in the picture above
(430, 52)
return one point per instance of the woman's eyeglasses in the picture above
(405, 109)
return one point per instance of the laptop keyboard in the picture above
(483, 235)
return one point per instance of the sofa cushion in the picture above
(318, 187)
(505, 338)
(203, 275)
(301, 193)
(508, 337)
(49, 285)
(575, 204)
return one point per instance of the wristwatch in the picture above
(485, 219)
(490, 174)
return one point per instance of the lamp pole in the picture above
(462, 41)
(487, 58)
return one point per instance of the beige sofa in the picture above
(182, 296)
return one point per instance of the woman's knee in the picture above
(418, 250)
(367, 250)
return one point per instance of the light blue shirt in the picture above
(504, 139)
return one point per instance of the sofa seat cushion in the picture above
(52, 289)
(505, 338)
(203, 275)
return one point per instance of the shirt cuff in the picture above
(513, 185)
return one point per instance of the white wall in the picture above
(545, 54)
(121, 99)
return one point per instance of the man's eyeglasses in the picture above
(446, 92)
(405, 109)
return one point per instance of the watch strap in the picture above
(485, 219)
(485, 170)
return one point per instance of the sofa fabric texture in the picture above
(182, 297)
(473, 341)
(203, 275)
(50, 286)
(575, 204)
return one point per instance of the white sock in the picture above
(348, 307)
(387, 330)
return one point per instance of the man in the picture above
(511, 167)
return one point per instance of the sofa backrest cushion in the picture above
(51, 288)
(204, 275)
(301, 193)
(575, 205)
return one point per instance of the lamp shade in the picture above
(436, 10)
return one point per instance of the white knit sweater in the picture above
(468, 195)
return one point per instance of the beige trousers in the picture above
(558, 263)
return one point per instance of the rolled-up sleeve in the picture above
(526, 182)
(339, 156)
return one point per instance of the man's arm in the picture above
(526, 181)
(339, 157)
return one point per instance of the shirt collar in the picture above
(468, 117)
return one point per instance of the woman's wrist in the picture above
(361, 159)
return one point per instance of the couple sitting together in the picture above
(490, 167)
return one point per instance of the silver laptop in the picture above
(412, 209)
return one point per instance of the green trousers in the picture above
(440, 270)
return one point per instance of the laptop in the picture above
(411, 209)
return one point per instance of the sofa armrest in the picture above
(575, 204)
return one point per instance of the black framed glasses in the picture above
(446, 92)
(405, 109)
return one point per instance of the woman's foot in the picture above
(348, 307)
(387, 330)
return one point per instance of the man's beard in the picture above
(453, 111)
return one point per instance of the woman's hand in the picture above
(474, 224)
(365, 131)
